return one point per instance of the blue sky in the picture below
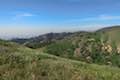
(26, 18)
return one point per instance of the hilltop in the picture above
(111, 34)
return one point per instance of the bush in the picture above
(65, 49)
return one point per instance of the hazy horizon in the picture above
(27, 18)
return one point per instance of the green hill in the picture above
(112, 34)
(21, 63)
(101, 47)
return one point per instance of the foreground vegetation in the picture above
(21, 63)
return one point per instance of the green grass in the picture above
(21, 63)
(25, 64)
(112, 34)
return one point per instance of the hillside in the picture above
(21, 63)
(100, 47)
(112, 34)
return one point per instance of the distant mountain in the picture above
(42, 40)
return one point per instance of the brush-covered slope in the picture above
(112, 34)
(7, 46)
(21, 63)
(101, 47)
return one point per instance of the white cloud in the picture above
(22, 15)
(97, 18)
(25, 15)
(102, 17)
(107, 17)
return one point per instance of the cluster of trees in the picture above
(63, 49)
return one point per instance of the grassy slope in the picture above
(22, 63)
(112, 33)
